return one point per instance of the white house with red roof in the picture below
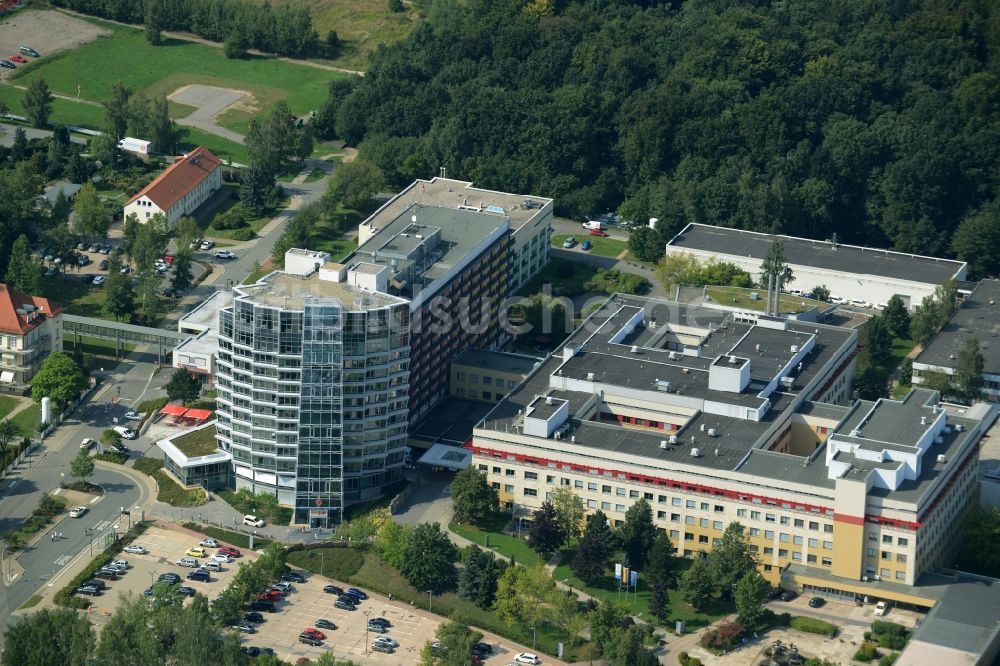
(30, 330)
(178, 191)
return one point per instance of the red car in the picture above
(17, 58)
(314, 632)
(598, 232)
(230, 551)
(169, 258)
(271, 595)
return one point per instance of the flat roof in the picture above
(450, 193)
(967, 614)
(818, 254)
(451, 420)
(293, 292)
(498, 361)
(616, 364)
(448, 236)
(978, 317)
(206, 313)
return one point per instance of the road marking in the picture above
(63, 560)
(96, 499)
(102, 525)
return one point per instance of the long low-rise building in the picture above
(712, 418)
(866, 274)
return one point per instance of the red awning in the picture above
(174, 410)
(198, 414)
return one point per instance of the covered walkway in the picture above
(164, 341)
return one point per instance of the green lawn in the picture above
(362, 25)
(175, 495)
(223, 148)
(97, 352)
(638, 602)
(64, 111)
(740, 298)
(125, 55)
(567, 278)
(28, 419)
(7, 405)
(314, 175)
(81, 299)
(604, 247)
(508, 546)
(198, 443)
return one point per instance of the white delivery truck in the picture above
(592, 224)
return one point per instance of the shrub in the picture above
(694, 661)
(722, 637)
(237, 539)
(148, 465)
(113, 457)
(813, 626)
(866, 652)
(234, 218)
(244, 234)
(888, 659)
(683, 658)
(889, 634)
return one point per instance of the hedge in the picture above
(813, 626)
(67, 597)
(867, 652)
(889, 634)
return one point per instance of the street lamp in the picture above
(366, 631)
(429, 593)
(532, 638)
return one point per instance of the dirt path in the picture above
(188, 37)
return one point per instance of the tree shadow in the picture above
(23, 487)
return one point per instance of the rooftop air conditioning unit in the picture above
(674, 356)
(673, 439)
(959, 427)
(941, 458)
(663, 443)
(712, 432)
(733, 360)
(702, 427)
(696, 452)
(635, 349)
(864, 579)
(548, 400)
(923, 420)
(795, 349)
(590, 376)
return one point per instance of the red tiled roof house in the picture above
(30, 330)
(178, 191)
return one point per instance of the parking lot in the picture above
(165, 547)
(46, 31)
(301, 608)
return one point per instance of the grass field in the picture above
(64, 111)
(28, 419)
(126, 56)
(81, 299)
(7, 405)
(508, 546)
(603, 247)
(567, 278)
(740, 298)
(362, 25)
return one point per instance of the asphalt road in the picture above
(208, 102)
(43, 561)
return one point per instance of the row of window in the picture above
(887, 539)
(487, 380)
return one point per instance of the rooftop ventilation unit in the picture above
(795, 349)
(664, 386)
(635, 349)
(757, 347)
(712, 432)
(923, 420)
(674, 356)
(733, 360)
(663, 443)
(702, 427)
(959, 427)
(590, 376)
(548, 400)
(673, 439)
(941, 458)
(696, 452)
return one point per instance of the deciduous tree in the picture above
(183, 277)
(697, 584)
(897, 317)
(570, 510)
(749, 596)
(969, 367)
(49, 636)
(116, 110)
(429, 560)
(92, 217)
(23, 268)
(637, 534)
(475, 500)
(731, 558)
(82, 465)
(354, 184)
(38, 103)
(60, 379)
(183, 387)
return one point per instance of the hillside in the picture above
(877, 121)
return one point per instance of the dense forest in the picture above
(876, 120)
(283, 30)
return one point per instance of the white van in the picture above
(212, 565)
(592, 224)
(187, 562)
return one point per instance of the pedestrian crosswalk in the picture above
(62, 560)
(103, 525)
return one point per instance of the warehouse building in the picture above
(851, 273)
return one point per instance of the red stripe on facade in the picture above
(850, 520)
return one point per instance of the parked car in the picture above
(586, 246)
(99, 584)
(133, 415)
(105, 249)
(77, 511)
(527, 658)
(385, 640)
(118, 447)
(816, 602)
(598, 232)
(381, 620)
(224, 254)
(197, 551)
(187, 562)
(881, 608)
(126, 269)
(28, 51)
(333, 589)
(168, 258)
(122, 563)
(569, 242)
(355, 592)
(134, 549)
(186, 591)
(7, 64)
(50, 271)
(207, 245)
(377, 628)
(246, 628)
(88, 443)
(382, 647)
(230, 551)
(87, 278)
(348, 599)
(270, 595)
(294, 576)
(253, 521)
(89, 589)
(125, 432)
(484, 648)
(261, 605)
(325, 624)
(200, 575)
(788, 595)
(169, 292)
(310, 640)
(103, 266)
(343, 605)
(94, 247)
(256, 618)
(170, 577)
(221, 559)
(313, 631)
(98, 280)
(212, 565)
(106, 574)
(83, 260)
